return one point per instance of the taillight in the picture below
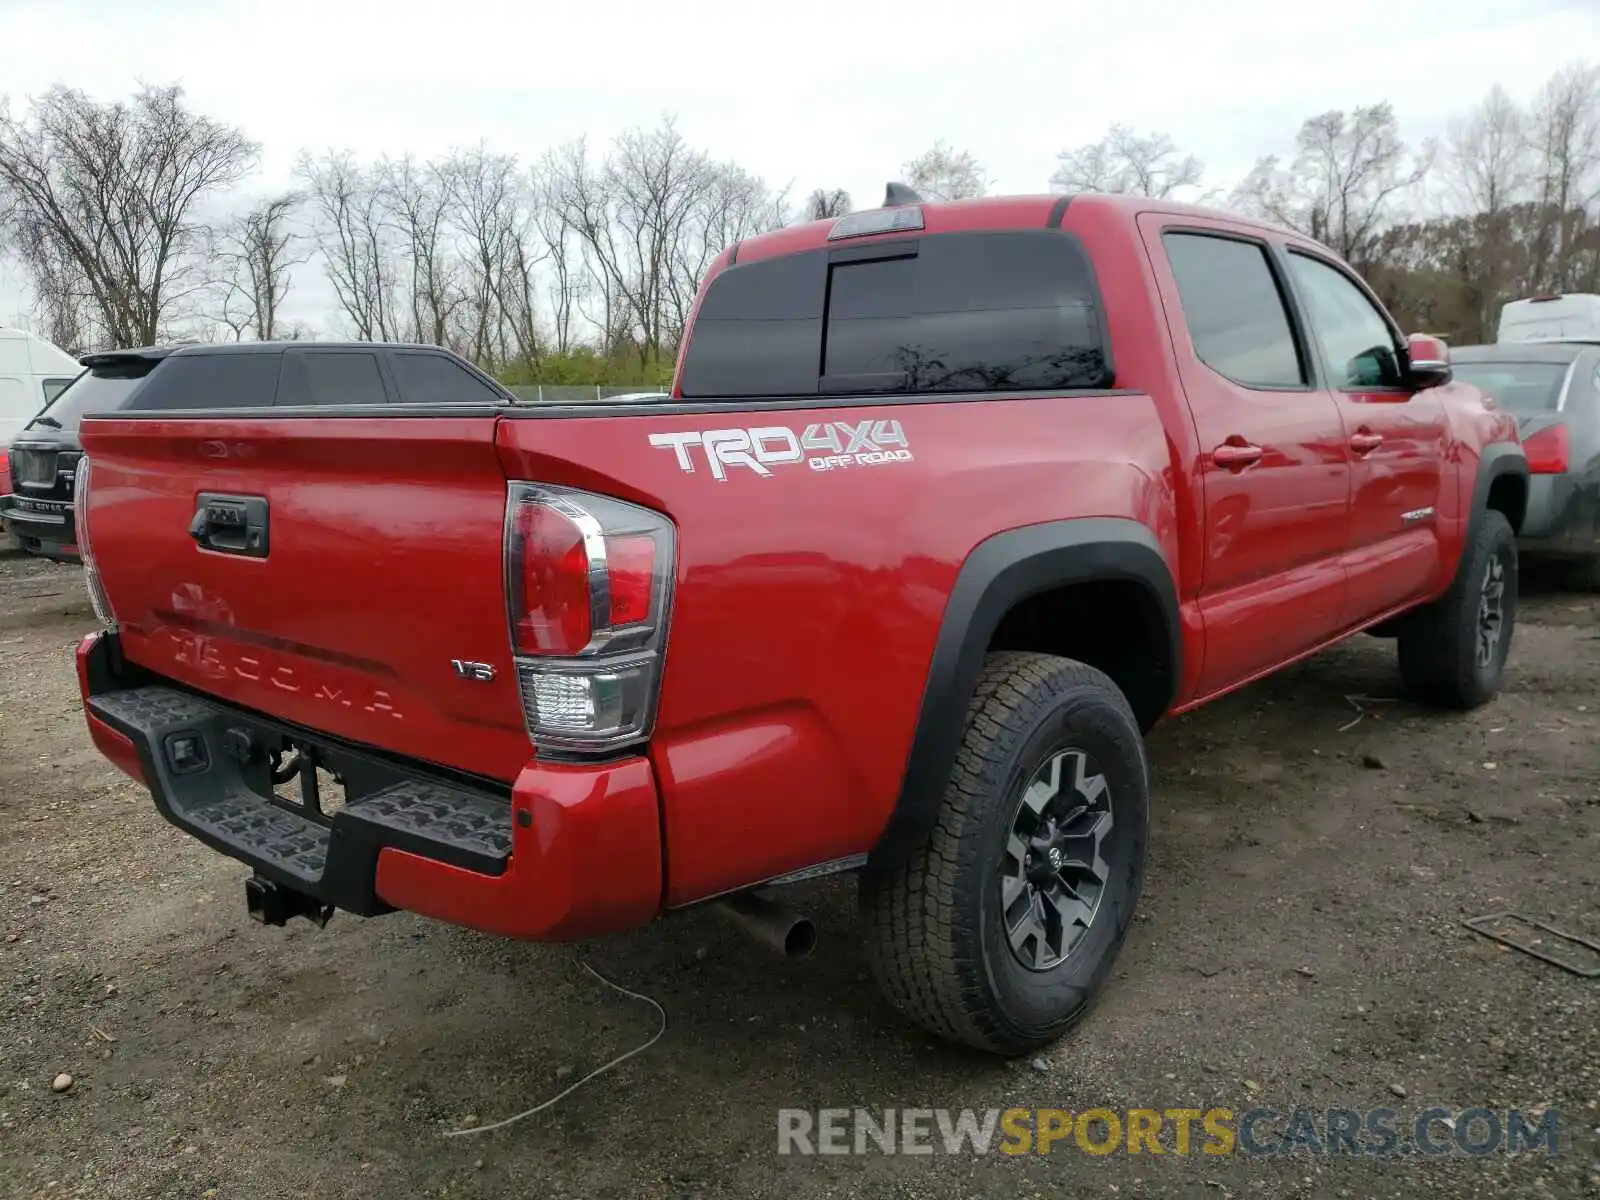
(588, 588)
(631, 563)
(553, 611)
(1547, 451)
(80, 524)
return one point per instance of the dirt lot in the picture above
(1300, 945)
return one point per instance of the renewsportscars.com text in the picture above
(1377, 1132)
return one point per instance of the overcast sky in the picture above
(820, 94)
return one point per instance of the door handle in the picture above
(1365, 442)
(1236, 455)
(230, 524)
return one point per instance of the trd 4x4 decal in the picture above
(758, 449)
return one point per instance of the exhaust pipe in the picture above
(791, 934)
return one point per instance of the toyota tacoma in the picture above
(948, 505)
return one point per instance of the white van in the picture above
(32, 373)
(1544, 318)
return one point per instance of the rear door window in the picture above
(972, 312)
(1234, 309)
(424, 378)
(330, 377)
(205, 381)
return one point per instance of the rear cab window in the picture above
(955, 312)
(1522, 387)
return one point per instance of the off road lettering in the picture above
(761, 448)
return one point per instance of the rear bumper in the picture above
(566, 852)
(50, 522)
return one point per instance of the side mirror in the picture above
(1427, 361)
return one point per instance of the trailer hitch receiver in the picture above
(271, 903)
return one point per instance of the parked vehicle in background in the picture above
(1541, 318)
(44, 458)
(32, 374)
(1553, 388)
(44, 455)
(7, 542)
(949, 503)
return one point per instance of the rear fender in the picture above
(1496, 461)
(1001, 572)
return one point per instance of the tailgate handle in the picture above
(230, 524)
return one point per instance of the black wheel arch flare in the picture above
(1498, 460)
(999, 573)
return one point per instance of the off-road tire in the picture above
(933, 923)
(1439, 644)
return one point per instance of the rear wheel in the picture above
(1453, 653)
(997, 930)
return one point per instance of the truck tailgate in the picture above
(328, 572)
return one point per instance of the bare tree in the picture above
(581, 195)
(257, 251)
(649, 219)
(113, 192)
(630, 216)
(1486, 162)
(489, 212)
(1564, 137)
(414, 201)
(356, 245)
(520, 280)
(825, 204)
(941, 173)
(1125, 162)
(732, 206)
(559, 249)
(1349, 174)
(1487, 169)
(62, 302)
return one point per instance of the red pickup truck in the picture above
(948, 505)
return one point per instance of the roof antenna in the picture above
(897, 194)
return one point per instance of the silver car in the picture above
(1553, 387)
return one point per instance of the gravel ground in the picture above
(1299, 945)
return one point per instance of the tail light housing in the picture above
(588, 595)
(80, 524)
(1547, 451)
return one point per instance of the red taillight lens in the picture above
(588, 587)
(552, 613)
(1547, 451)
(631, 560)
